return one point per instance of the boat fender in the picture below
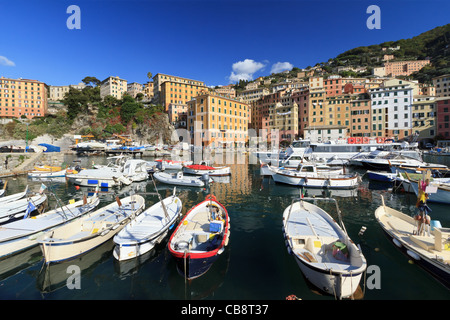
(413, 255)
(182, 245)
(397, 243)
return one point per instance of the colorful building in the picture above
(443, 117)
(360, 115)
(403, 68)
(57, 93)
(22, 97)
(424, 117)
(217, 121)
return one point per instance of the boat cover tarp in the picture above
(50, 148)
(200, 167)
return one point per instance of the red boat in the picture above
(200, 237)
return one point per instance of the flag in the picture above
(43, 187)
(29, 210)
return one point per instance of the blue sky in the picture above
(200, 39)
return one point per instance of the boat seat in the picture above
(424, 242)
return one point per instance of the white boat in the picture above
(180, 180)
(93, 229)
(147, 229)
(204, 169)
(308, 176)
(16, 209)
(265, 169)
(115, 163)
(173, 164)
(429, 249)
(21, 234)
(47, 174)
(135, 170)
(13, 197)
(99, 177)
(385, 161)
(326, 255)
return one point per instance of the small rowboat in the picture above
(200, 238)
(147, 229)
(430, 249)
(173, 164)
(46, 174)
(90, 231)
(322, 249)
(13, 210)
(202, 169)
(47, 168)
(179, 179)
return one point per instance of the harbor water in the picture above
(254, 266)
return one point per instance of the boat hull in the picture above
(218, 171)
(317, 182)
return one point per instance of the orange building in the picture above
(218, 120)
(179, 93)
(22, 97)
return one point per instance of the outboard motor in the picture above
(205, 178)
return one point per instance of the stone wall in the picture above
(20, 163)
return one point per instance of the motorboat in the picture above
(46, 174)
(147, 229)
(178, 178)
(427, 246)
(135, 170)
(168, 164)
(437, 189)
(91, 230)
(205, 169)
(22, 234)
(385, 161)
(200, 238)
(326, 255)
(104, 178)
(13, 197)
(308, 176)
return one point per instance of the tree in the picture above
(91, 81)
(149, 75)
(128, 109)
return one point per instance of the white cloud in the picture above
(4, 61)
(281, 66)
(244, 70)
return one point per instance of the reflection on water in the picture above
(254, 266)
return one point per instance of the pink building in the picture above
(443, 117)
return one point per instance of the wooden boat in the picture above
(147, 229)
(430, 250)
(265, 169)
(200, 237)
(46, 174)
(46, 168)
(93, 229)
(12, 210)
(179, 179)
(308, 176)
(22, 234)
(13, 197)
(326, 255)
(204, 169)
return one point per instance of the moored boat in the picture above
(168, 164)
(308, 176)
(202, 169)
(181, 180)
(430, 250)
(326, 255)
(12, 210)
(22, 234)
(99, 177)
(93, 229)
(46, 174)
(147, 229)
(200, 237)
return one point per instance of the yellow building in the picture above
(217, 120)
(424, 111)
(316, 108)
(183, 85)
(174, 92)
(22, 97)
(337, 110)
